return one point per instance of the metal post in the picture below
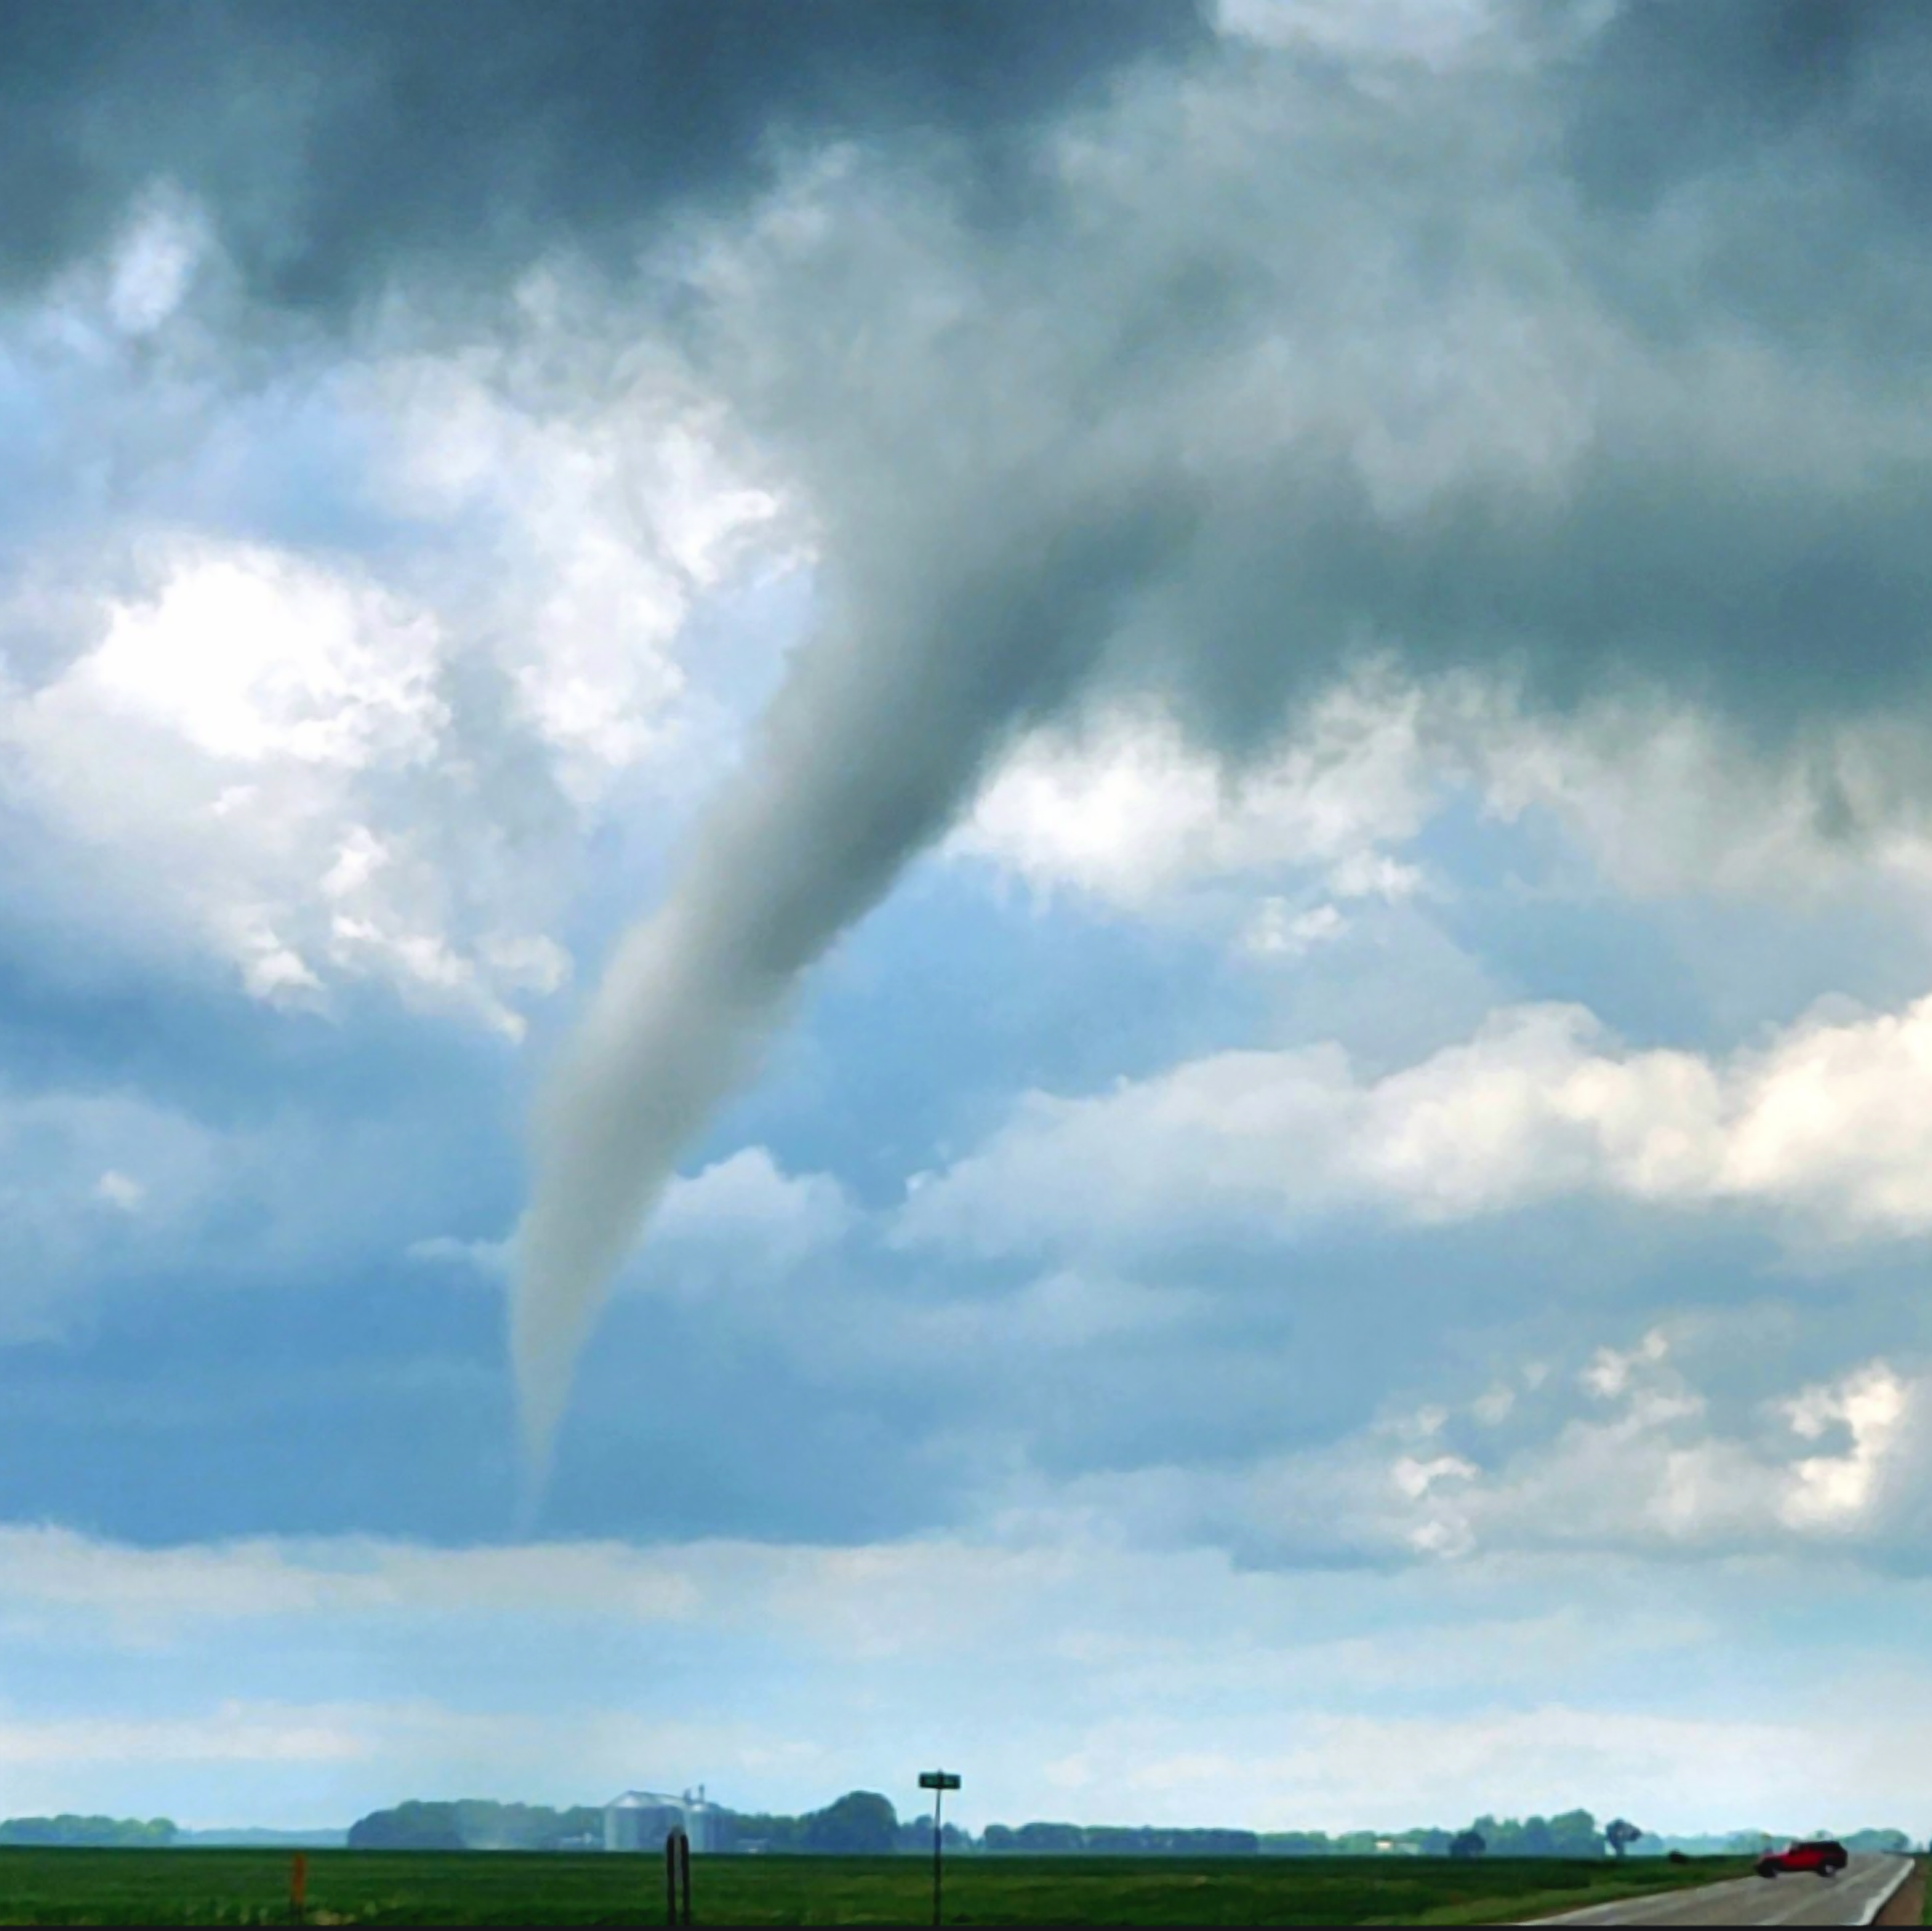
(677, 1878)
(939, 1782)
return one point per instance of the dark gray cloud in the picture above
(1593, 351)
(337, 143)
(1785, 601)
(1767, 163)
(1725, 172)
(1374, 355)
(1668, 95)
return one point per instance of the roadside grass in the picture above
(1913, 1904)
(165, 1886)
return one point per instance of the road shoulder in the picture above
(1906, 1905)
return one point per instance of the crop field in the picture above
(169, 1887)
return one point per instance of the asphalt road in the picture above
(1854, 1896)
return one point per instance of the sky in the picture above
(1048, 889)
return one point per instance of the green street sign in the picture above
(937, 1779)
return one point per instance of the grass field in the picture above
(41, 1887)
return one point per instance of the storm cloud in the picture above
(339, 147)
(1447, 419)
(1102, 355)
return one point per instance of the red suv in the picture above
(1825, 1855)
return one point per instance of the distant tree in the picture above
(915, 1835)
(1502, 1837)
(1122, 1840)
(1574, 1834)
(1620, 1834)
(1468, 1844)
(1297, 1844)
(1049, 1840)
(1222, 1843)
(410, 1827)
(94, 1833)
(1535, 1838)
(767, 1831)
(861, 1824)
(485, 1825)
(1894, 1841)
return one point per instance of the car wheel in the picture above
(1767, 1869)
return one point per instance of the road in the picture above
(1853, 1897)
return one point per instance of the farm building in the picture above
(640, 1820)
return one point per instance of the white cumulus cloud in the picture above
(1829, 1123)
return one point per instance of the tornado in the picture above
(921, 675)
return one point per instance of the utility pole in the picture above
(939, 1782)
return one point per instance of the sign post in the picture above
(939, 1782)
(677, 1878)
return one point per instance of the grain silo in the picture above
(640, 1820)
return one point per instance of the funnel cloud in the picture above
(1155, 432)
(869, 754)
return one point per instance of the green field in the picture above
(151, 1886)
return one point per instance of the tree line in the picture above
(863, 1823)
(477, 1824)
(90, 1833)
